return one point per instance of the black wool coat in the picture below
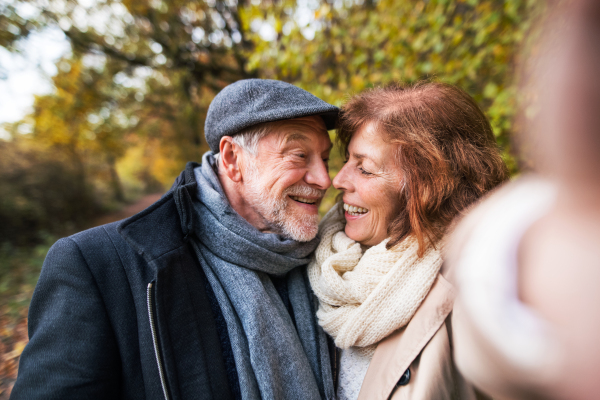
(124, 311)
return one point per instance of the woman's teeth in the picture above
(353, 210)
(303, 200)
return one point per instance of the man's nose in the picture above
(318, 174)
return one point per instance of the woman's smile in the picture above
(354, 211)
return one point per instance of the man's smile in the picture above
(304, 200)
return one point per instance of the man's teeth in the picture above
(353, 210)
(303, 200)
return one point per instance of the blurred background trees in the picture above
(129, 100)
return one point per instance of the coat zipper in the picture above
(161, 371)
(336, 363)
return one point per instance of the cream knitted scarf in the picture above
(366, 295)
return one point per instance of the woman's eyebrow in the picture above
(361, 156)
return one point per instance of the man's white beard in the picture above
(276, 212)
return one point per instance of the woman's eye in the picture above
(364, 172)
(301, 155)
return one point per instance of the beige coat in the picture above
(423, 347)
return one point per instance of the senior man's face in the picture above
(371, 181)
(288, 177)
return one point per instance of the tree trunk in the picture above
(115, 182)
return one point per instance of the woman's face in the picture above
(371, 181)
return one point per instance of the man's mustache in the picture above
(304, 191)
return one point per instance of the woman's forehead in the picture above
(369, 142)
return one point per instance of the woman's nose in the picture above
(341, 182)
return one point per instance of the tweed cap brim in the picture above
(253, 101)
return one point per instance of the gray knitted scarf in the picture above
(274, 359)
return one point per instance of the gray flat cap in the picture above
(253, 101)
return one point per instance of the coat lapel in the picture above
(165, 225)
(396, 353)
(190, 348)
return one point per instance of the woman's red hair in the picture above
(447, 152)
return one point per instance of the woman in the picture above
(416, 156)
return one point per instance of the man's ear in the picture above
(230, 158)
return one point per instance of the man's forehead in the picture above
(300, 128)
(313, 121)
(307, 130)
(304, 132)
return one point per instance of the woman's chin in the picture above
(352, 233)
(356, 234)
(359, 234)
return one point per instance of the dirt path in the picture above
(13, 330)
(130, 210)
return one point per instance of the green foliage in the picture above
(180, 53)
(473, 44)
(19, 271)
(13, 26)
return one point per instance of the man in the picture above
(203, 295)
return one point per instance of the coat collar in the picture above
(166, 224)
(396, 352)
